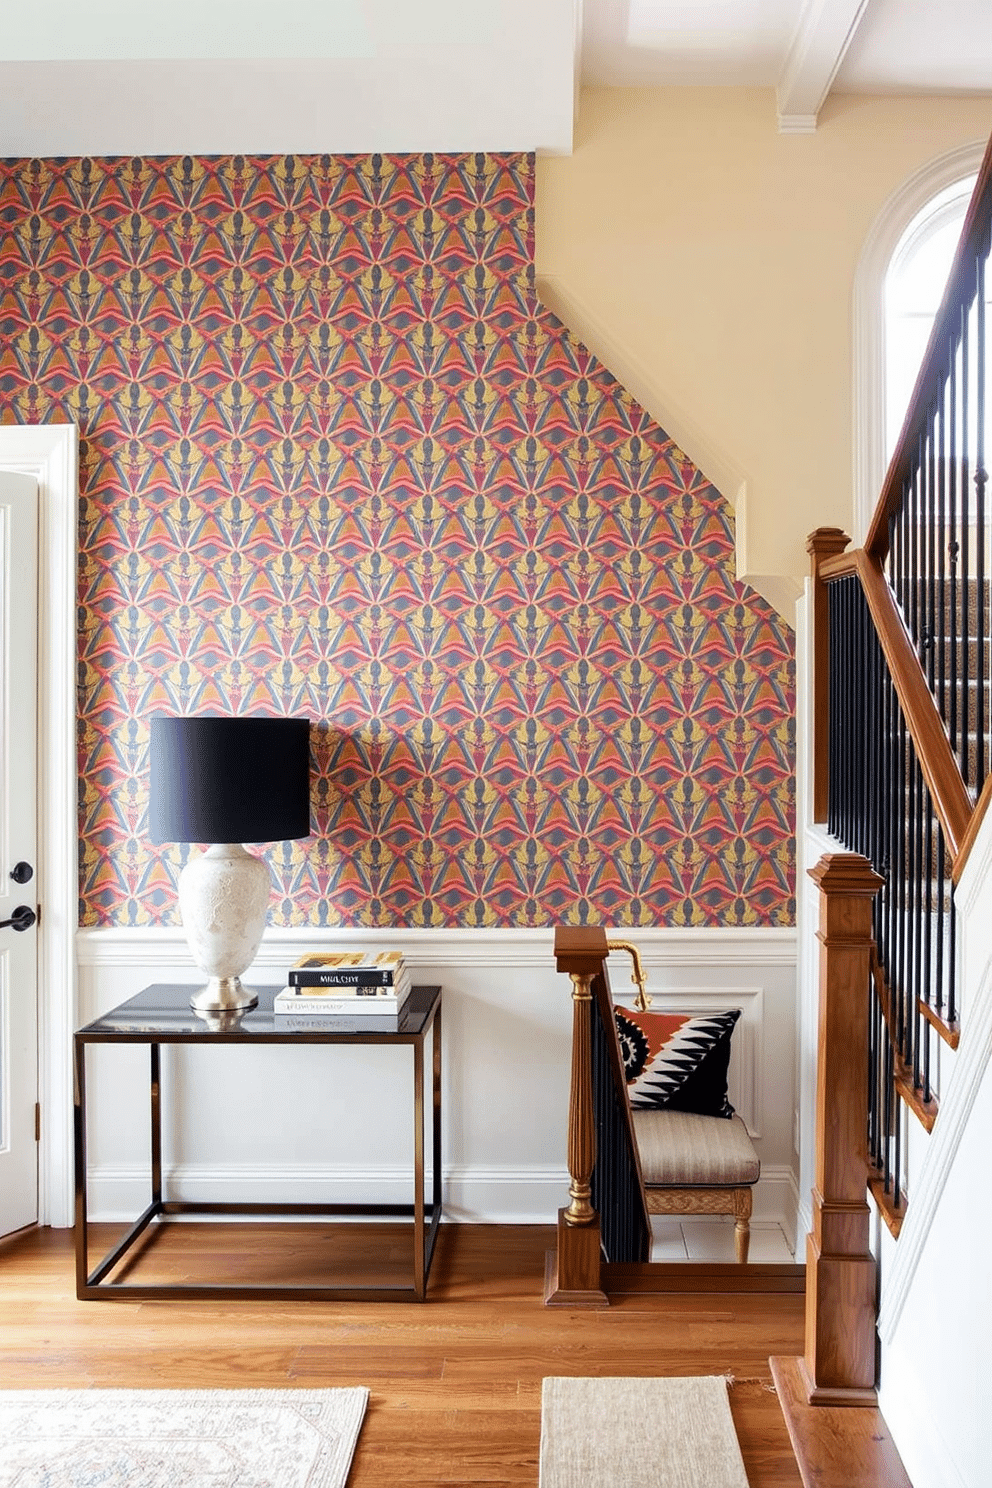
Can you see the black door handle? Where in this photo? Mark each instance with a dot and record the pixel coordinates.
(22, 918)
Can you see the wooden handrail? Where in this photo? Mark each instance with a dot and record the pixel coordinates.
(950, 797)
(973, 828)
(957, 293)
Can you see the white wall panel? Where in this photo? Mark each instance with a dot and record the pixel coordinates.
(335, 1124)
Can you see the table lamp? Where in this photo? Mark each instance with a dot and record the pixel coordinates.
(227, 781)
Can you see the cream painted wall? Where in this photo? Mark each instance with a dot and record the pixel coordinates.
(709, 262)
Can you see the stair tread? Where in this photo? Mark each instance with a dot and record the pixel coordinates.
(836, 1446)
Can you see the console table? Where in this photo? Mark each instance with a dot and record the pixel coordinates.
(161, 1014)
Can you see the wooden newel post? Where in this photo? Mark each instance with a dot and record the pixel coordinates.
(839, 1365)
(572, 1271)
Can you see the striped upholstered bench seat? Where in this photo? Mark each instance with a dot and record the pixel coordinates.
(698, 1165)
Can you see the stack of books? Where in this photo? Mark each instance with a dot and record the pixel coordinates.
(349, 984)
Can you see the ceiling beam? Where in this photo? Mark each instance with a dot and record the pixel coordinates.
(825, 31)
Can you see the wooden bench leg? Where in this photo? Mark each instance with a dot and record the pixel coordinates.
(742, 1228)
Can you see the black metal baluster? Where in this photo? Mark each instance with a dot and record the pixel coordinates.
(848, 712)
(942, 552)
(846, 689)
(892, 819)
(915, 564)
(910, 975)
(964, 582)
(897, 1156)
(888, 1093)
(981, 477)
(940, 969)
(952, 952)
(907, 496)
(928, 942)
(873, 1038)
(858, 701)
(930, 638)
(952, 548)
(837, 696)
(898, 977)
(919, 872)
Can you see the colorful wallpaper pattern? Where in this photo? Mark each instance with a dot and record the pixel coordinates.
(338, 462)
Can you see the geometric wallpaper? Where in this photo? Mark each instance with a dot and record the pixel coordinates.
(337, 462)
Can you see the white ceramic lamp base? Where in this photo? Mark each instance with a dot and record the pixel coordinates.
(224, 901)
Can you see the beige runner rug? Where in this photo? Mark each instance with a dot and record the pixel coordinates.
(178, 1438)
(639, 1433)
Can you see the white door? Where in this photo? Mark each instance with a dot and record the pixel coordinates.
(18, 833)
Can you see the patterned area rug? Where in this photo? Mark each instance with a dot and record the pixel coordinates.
(178, 1438)
(639, 1433)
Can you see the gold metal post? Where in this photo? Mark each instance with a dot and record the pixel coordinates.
(640, 981)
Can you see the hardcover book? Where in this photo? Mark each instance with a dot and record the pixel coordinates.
(328, 1004)
(304, 993)
(349, 969)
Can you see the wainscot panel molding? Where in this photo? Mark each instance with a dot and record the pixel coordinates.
(319, 1123)
(148, 945)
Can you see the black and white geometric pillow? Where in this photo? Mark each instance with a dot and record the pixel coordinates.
(675, 1061)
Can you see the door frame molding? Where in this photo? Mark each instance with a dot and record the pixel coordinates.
(50, 452)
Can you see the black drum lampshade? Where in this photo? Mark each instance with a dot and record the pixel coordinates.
(225, 782)
(229, 779)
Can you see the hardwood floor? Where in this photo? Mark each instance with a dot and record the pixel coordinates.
(455, 1382)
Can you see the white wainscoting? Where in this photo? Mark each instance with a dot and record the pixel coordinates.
(335, 1124)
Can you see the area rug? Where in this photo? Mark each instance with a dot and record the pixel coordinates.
(178, 1438)
(638, 1433)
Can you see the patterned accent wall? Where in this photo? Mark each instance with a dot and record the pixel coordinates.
(338, 462)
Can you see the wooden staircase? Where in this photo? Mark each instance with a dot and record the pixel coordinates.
(902, 776)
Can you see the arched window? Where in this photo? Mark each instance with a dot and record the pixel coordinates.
(914, 286)
(914, 223)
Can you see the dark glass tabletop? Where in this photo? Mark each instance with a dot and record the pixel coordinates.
(162, 1011)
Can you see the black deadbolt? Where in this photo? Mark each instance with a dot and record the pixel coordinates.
(22, 873)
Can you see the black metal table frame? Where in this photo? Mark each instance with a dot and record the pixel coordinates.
(426, 1217)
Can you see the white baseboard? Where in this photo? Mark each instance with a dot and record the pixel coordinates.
(804, 1223)
(471, 1195)
(910, 1418)
(480, 1196)
(776, 1200)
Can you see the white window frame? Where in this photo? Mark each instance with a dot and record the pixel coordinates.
(870, 462)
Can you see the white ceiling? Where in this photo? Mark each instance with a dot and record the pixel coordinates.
(336, 76)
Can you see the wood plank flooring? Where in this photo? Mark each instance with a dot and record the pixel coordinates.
(455, 1382)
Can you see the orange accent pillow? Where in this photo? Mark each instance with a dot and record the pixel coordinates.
(675, 1061)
